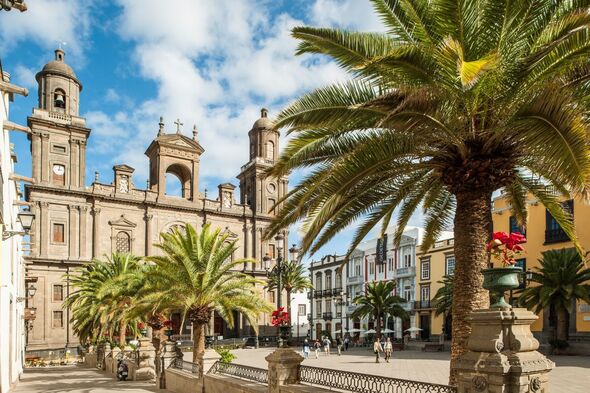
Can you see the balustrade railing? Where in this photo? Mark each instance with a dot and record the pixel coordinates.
(365, 383)
(240, 371)
(183, 365)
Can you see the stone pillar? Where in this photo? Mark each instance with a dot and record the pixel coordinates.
(148, 234)
(146, 370)
(36, 152)
(95, 230)
(82, 161)
(83, 232)
(283, 368)
(167, 357)
(45, 167)
(502, 355)
(44, 238)
(73, 240)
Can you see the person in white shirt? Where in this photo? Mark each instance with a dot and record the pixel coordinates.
(388, 349)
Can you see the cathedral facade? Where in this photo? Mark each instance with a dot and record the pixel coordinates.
(76, 222)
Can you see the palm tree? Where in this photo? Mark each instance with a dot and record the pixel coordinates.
(293, 280)
(455, 101)
(198, 275)
(443, 299)
(378, 302)
(561, 280)
(104, 296)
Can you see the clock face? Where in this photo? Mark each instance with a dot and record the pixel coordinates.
(59, 170)
(271, 188)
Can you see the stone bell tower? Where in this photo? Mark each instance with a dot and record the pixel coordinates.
(257, 190)
(58, 134)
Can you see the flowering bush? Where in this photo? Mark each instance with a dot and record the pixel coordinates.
(505, 247)
(280, 317)
(141, 326)
(168, 324)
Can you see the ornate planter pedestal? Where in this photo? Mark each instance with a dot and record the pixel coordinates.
(503, 356)
(500, 280)
(283, 368)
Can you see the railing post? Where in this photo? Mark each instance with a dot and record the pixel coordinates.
(502, 354)
(283, 368)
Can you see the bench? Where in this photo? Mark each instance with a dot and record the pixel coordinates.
(434, 347)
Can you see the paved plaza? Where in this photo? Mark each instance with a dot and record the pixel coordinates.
(77, 379)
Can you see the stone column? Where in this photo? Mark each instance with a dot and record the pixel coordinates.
(74, 163)
(95, 231)
(83, 232)
(82, 161)
(502, 355)
(44, 238)
(283, 368)
(146, 369)
(148, 233)
(45, 167)
(73, 225)
(36, 151)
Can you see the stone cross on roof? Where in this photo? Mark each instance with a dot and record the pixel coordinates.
(178, 124)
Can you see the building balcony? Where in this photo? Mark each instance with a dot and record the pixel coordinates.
(422, 304)
(350, 309)
(327, 316)
(318, 293)
(405, 271)
(338, 314)
(354, 280)
(555, 236)
(407, 305)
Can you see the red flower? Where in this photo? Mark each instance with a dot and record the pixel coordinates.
(506, 247)
(167, 323)
(141, 326)
(502, 236)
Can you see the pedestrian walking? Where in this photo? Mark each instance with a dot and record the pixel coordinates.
(346, 342)
(377, 348)
(339, 345)
(388, 348)
(327, 344)
(317, 346)
(306, 349)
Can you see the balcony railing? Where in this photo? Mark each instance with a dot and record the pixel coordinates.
(422, 304)
(180, 364)
(248, 373)
(355, 280)
(555, 236)
(318, 293)
(327, 316)
(405, 271)
(407, 305)
(338, 314)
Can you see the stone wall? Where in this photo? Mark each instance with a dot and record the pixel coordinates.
(90, 360)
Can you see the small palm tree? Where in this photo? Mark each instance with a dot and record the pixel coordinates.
(197, 275)
(104, 296)
(378, 302)
(293, 280)
(561, 280)
(443, 299)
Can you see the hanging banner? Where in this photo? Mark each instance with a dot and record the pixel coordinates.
(381, 251)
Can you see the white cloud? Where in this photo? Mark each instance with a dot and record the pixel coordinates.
(25, 77)
(349, 14)
(48, 23)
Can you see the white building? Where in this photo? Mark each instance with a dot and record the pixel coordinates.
(299, 313)
(12, 269)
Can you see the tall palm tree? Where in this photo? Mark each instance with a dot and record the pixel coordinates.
(293, 280)
(197, 275)
(378, 302)
(561, 280)
(104, 296)
(454, 101)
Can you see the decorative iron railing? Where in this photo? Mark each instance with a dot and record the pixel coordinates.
(365, 383)
(240, 371)
(183, 365)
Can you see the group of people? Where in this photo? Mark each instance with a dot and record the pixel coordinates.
(384, 346)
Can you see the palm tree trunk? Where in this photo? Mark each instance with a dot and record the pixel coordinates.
(289, 304)
(472, 224)
(562, 316)
(122, 331)
(378, 327)
(198, 345)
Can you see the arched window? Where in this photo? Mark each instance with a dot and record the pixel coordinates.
(59, 99)
(270, 150)
(123, 242)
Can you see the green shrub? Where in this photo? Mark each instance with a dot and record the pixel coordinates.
(226, 355)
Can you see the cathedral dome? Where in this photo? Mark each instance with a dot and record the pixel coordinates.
(58, 67)
(264, 121)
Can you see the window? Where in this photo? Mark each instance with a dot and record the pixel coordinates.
(371, 267)
(425, 292)
(328, 281)
(407, 260)
(123, 242)
(271, 205)
(514, 227)
(391, 264)
(450, 265)
(381, 267)
(425, 270)
(553, 231)
(338, 280)
(318, 282)
(58, 149)
(270, 150)
(357, 268)
(318, 308)
(271, 251)
(58, 233)
(58, 319)
(58, 293)
(301, 311)
(328, 305)
(271, 296)
(408, 294)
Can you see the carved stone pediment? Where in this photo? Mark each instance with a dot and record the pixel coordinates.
(122, 222)
(229, 233)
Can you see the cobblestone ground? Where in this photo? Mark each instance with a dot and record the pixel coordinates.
(77, 379)
(571, 375)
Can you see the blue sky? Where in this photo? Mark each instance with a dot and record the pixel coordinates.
(209, 63)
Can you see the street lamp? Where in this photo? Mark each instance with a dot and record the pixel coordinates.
(30, 292)
(294, 251)
(279, 239)
(26, 221)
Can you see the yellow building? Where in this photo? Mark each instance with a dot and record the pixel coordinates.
(542, 233)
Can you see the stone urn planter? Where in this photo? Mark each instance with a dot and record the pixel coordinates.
(284, 336)
(499, 280)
